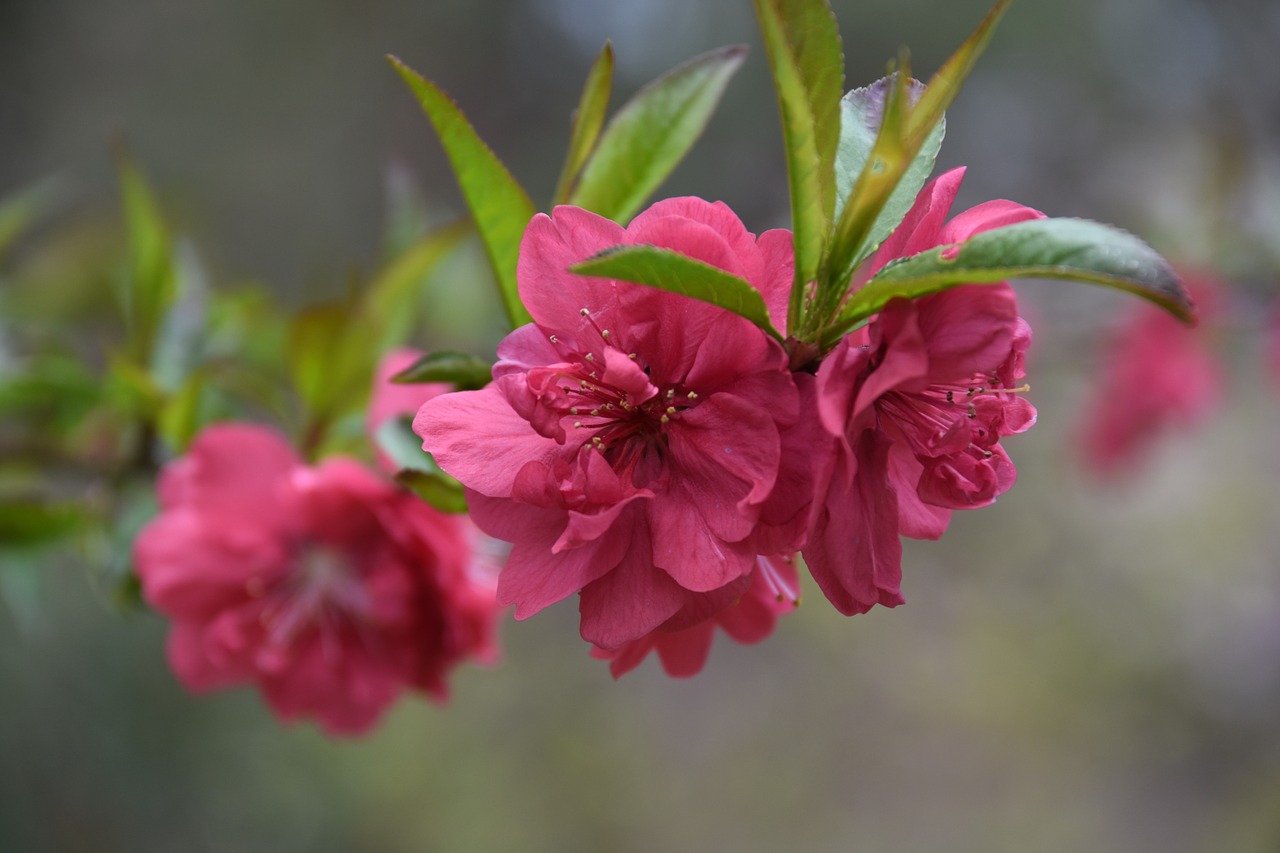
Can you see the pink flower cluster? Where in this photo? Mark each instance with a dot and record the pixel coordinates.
(328, 587)
(655, 455)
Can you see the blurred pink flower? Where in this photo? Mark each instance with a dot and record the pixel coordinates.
(327, 588)
(630, 445)
(683, 642)
(1157, 374)
(917, 403)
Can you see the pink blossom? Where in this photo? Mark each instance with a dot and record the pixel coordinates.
(631, 443)
(917, 403)
(683, 642)
(327, 588)
(1157, 374)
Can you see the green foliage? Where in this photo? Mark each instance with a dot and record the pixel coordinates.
(30, 521)
(151, 283)
(652, 132)
(803, 45)
(588, 119)
(672, 271)
(861, 112)
(464, 372)
(1043, 248)
(498, 204)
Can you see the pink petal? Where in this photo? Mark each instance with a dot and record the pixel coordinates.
(854, 553)
(629, 601)
(479, 439)
(235, 469)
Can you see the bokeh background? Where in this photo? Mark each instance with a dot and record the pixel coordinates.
(1087, 665)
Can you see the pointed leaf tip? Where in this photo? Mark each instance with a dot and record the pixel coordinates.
(1076, 249)
(500, 206)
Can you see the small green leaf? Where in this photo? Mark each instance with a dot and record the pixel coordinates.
(498, 203)
(803, 46)
(888, 160)
(588, 119)
(152, 279)
(652, 132)
(1040, 248)
(179, 416)
(861, 111)
(677, 273)
(331, 362)
(28, 522)
(465, 372)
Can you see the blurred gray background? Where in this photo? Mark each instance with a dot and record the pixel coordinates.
(1085, 666)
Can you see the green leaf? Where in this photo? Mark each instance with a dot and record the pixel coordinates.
(465, 372)
(28, 522)
(498, 203)
(19, 210)
(179, 416)
(803, 45)
(439, 490)
(1040, 248)
(652, 132)
(152, 279)
(588, 119)
(331, 364)
(903, 135)
(861, 112)
(677, 273)
(390, 296)
(419, 471)
(884, 167)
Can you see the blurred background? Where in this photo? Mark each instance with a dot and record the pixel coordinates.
(1091, 664)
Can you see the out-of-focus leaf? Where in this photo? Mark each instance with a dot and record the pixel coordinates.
(152, 282)
(439, 490)
(465, 372)
(132, 390)
(1041, 248)
(55, 391)
(419, 471)
(652, 132)
(329, 360)
(672, 271)
(389, 298)
(179, 417)
(19, 211)
(588, 119)
(27, 522)
(500, 206)
(861, 112)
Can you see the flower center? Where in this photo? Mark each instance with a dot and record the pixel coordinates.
(322, 589)
(612, 395)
